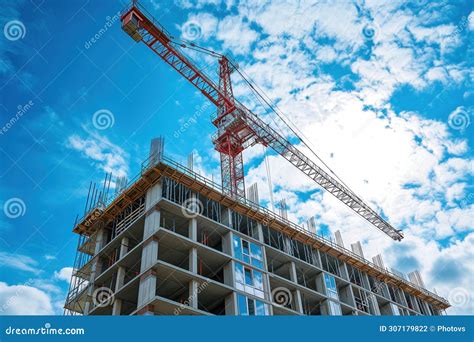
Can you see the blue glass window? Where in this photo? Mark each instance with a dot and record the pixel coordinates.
(334, 308)
(248, 252)
(248, 276)
(239, 276)
(248, 306)
(256, 255)
(261, 308)
(251, 305)
(242, 300)
(249, 280)
(331, 286)
(237, 247)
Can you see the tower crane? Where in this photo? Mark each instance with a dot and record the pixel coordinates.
(237, 126)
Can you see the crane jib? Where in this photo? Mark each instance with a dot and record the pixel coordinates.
(239, 128)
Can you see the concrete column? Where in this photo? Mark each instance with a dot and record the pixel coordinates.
(147, 288)
(124, 247)
(152, 222)
(293, 274)
(231, 305)
(193, 260)
(192, 229)
(120, 278)
(260, 232)
(373, 304)
(149, 254)
(193, 294)
(320, 287)
(153, 196)
(229, 274)
(297, 301)
(264, 256)
(117, 307)
(227, 244)
(99, 241)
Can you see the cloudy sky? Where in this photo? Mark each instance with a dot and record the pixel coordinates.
(381, 91)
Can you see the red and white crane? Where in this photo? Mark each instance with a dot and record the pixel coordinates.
(238, 127)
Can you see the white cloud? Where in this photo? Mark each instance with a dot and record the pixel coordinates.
(103, 153)
(326, 54)
(411, 167)
(64, 274)
(19, 262)
(206, 26)
(236, 35)
(24, 300)
(470, 20)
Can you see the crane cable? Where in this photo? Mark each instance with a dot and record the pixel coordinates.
(261, 94)
(267, 101)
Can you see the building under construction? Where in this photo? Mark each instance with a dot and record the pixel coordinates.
(172, 242)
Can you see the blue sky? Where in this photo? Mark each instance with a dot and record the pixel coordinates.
(383, 93)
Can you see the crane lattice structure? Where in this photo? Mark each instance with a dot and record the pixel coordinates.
(237, 126)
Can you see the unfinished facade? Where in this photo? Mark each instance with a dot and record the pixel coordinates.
(173, 243)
